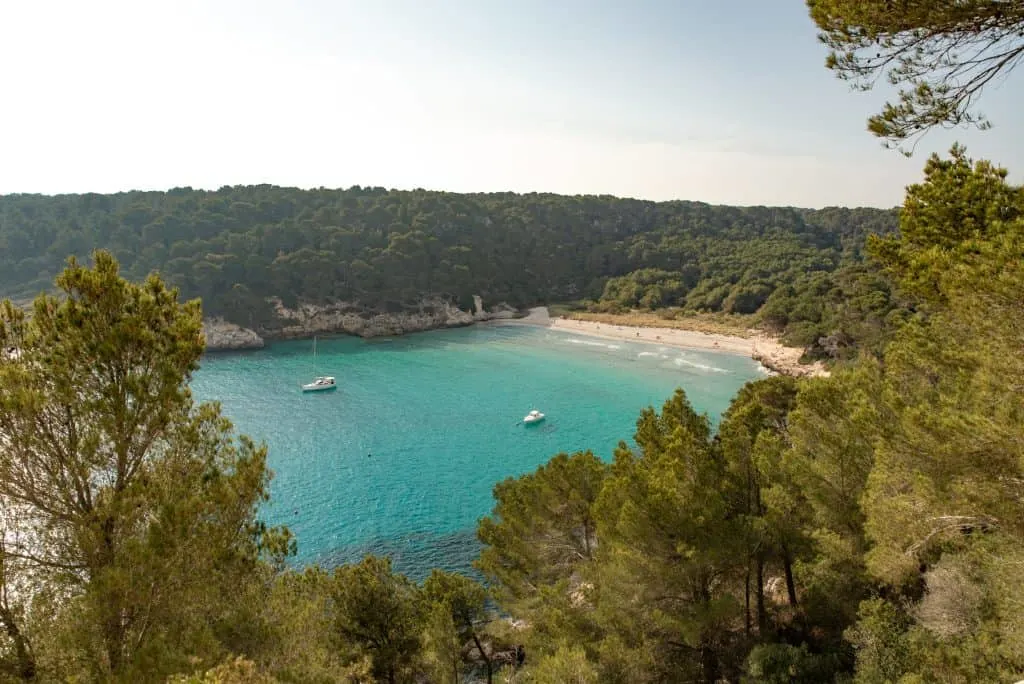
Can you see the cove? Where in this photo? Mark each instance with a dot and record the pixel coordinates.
(402, 457)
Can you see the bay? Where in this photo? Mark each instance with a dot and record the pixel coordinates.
(402, 458)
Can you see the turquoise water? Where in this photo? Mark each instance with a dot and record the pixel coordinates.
(402, 457)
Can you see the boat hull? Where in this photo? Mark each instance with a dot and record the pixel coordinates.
(321, 388)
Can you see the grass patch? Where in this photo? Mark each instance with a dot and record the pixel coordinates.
(563, 309)
(739, 325)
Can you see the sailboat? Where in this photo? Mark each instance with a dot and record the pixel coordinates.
(321, 383)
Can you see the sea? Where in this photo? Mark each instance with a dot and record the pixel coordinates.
(402, 458)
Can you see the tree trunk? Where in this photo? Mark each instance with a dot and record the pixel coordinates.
(708, 664)
(25, 667)
(112, 637)
(746, 601)
(787, 564)
(112, 625)
(762, 618)
(483, 654)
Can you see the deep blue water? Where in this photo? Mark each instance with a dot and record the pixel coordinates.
(402, 457)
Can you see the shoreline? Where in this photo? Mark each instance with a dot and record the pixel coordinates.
(763, 348)
(767, 350)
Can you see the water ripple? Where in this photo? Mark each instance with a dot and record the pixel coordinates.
(401, 459)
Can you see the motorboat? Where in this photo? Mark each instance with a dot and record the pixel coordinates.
(533, 416)
(320, 384)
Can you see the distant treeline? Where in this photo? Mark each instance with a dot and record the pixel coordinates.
(385, 249)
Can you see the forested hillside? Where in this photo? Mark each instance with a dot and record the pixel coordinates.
(863, 527)
(382, 249)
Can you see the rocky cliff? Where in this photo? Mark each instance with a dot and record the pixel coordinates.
(223, 336)
(306, 320)
(344, 317)
(788, 363)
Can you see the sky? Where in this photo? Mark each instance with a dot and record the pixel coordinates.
(727, 103)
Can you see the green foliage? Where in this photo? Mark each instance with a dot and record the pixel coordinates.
(442, 646)
(786, 664)
(235, 671)
(649, 288)
(831, 451)
(941, 502)
(457, 615)
(462, 597)
(801, 271)
(131, 511)
(385, 250)
(940, 53)
(667, 543)
(543, 525)
(958, 204)
(287, 626)
(837, 315)
(880, 637)
(866, 526)
(567, 665)
(762, 496)
(378, 613)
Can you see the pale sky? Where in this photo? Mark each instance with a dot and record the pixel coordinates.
(673, 99)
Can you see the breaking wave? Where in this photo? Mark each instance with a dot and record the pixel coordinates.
(591, 343)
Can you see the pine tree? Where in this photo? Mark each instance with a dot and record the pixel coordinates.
(134, 509)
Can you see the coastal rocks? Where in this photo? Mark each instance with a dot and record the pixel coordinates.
(789, 365)
(431, 313)
(500, 312)
(223, 336)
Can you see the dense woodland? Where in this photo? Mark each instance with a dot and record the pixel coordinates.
(864, 527)
(384, 250)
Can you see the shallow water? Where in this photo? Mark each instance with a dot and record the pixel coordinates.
(402, 457)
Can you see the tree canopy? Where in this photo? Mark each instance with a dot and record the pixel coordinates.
(863, 527)
(381, 250)
(127, 510)
(941, 54)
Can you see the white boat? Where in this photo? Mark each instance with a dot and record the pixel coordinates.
(324, 382)
(320, 384)
(533, 416)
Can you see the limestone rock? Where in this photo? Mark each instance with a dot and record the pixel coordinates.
(352, 318)
(789, 366)
(223, 336)
(345, 317)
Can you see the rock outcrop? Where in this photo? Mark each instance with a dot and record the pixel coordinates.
(500, 312)
(223, 336)
(789, 364)
(305, 320)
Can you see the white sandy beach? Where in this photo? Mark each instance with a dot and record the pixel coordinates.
(764, 348)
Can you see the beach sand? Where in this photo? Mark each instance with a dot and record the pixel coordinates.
(764, 348)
